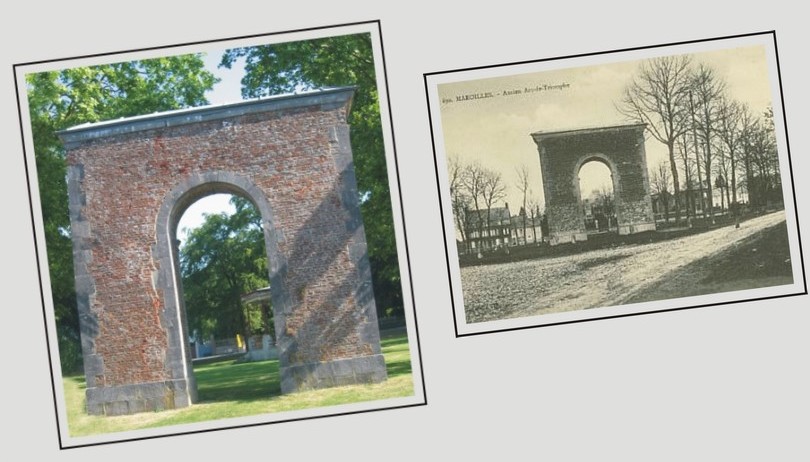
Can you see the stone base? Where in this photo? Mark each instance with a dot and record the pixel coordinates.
(365, 369)
(140, 397)
(262, 354)
(568, 237)
(636, 228)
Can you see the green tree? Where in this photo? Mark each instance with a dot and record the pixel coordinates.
(330, 62)
(61, 99)
(220, 261)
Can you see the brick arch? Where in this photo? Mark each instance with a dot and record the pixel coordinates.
(169, 280)
(563, 153)
(129, 181)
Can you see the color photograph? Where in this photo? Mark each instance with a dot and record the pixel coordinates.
(221, 234)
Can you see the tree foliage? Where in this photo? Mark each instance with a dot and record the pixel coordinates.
(330, 62)
(221, 260)
(61, 99)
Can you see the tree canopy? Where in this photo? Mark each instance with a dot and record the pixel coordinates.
(330, 62)
(220, 261)
(61, 99)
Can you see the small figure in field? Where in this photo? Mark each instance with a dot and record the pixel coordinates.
(735, 212)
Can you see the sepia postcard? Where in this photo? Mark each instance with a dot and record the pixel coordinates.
(615, 183)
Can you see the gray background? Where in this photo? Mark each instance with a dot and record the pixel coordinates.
(721, 383)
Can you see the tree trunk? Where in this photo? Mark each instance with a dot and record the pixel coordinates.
(709, 192)
(733, 178)
(690, 202)
(675, 183)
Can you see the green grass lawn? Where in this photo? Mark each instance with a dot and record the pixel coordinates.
(229, 389)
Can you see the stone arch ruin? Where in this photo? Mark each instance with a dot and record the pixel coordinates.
(621, 149)
(130, 180)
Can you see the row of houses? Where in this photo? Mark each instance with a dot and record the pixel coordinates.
(496, 228)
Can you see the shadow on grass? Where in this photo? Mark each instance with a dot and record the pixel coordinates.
(229, 380)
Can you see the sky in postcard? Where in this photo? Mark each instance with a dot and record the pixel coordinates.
(495, 131)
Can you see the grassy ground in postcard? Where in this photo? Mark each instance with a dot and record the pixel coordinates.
(230, 389)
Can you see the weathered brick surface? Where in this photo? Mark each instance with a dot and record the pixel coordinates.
(562, 154)
(130, 183)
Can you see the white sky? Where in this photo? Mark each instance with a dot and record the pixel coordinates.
(228, 90)
(496, 131)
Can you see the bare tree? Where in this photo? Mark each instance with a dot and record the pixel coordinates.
(659, 97)
(698, 148)
(707, 89)
(762, 162)
(523, 187)
(472, 181)
(748, 124)
(493, 190)
(459, 199)
(660, 180)
(683, 146)
(535, 214)
(729, 133)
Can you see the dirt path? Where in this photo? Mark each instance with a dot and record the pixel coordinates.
(597, 278)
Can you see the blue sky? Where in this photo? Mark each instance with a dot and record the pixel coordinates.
(228, 90)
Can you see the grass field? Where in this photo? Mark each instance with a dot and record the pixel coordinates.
(229, 389)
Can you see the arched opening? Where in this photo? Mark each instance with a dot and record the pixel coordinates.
(216, 319)
(225, 289)
(597, 197)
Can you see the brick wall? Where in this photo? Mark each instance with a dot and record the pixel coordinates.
(292, 159)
